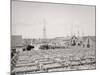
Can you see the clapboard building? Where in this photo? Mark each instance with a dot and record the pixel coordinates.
(89, 41)
(16, 42)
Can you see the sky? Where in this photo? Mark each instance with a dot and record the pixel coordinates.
(60, 20)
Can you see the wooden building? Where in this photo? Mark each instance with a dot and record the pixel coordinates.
(89, 42)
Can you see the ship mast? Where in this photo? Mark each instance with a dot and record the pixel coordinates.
(44, 29)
